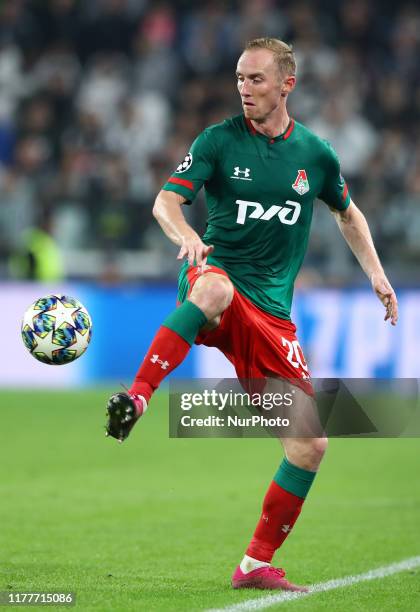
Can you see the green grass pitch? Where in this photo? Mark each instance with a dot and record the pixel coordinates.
(159, 524)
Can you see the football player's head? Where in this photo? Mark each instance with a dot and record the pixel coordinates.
(266, 73)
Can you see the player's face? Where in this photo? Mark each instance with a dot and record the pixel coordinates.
(260, 84)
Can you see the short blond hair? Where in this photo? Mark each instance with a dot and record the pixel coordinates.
(283, 53)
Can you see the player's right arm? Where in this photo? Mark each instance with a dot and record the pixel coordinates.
(167, 211)
(181, 188)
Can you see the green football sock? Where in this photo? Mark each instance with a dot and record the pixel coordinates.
(186, 321)
(294, 479)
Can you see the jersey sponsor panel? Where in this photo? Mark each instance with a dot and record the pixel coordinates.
(288, 214)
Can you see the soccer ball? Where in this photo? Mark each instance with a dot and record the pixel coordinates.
(56, 329)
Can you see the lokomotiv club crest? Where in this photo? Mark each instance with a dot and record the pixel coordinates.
(301, 184)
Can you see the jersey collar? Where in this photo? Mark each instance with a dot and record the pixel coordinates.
(284, 136)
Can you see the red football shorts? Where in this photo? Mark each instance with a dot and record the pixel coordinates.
(257, 343)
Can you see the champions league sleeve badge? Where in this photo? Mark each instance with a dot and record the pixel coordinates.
(184, 165)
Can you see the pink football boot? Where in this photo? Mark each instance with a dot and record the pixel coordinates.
(267, 577)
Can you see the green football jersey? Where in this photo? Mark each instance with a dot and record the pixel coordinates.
(260, 193)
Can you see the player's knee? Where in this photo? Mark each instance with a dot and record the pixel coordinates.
(319, 447)
(212, 294)
(315, 450)
(308, 453)
(221, 291)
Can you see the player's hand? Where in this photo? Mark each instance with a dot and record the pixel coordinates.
(384, 291)
(195, 250)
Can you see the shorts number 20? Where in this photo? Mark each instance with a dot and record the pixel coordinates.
(295, 355)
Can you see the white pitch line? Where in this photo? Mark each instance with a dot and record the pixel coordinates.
(271, 600)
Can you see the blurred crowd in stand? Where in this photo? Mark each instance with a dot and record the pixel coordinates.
(101, 99)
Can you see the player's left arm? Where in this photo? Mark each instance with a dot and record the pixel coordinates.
(354, 227)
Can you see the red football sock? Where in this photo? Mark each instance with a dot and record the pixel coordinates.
(280, 512)
(166, 352)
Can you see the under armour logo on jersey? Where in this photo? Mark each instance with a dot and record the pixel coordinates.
(163, 364)
(286, 528)
(244, 175)
(301, 184)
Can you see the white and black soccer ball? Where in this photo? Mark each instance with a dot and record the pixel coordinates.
(56, 329)
(184, 165)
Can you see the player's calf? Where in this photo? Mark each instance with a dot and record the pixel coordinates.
(307, 453)
(169, 348)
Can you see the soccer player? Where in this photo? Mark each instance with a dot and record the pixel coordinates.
(261, 172)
